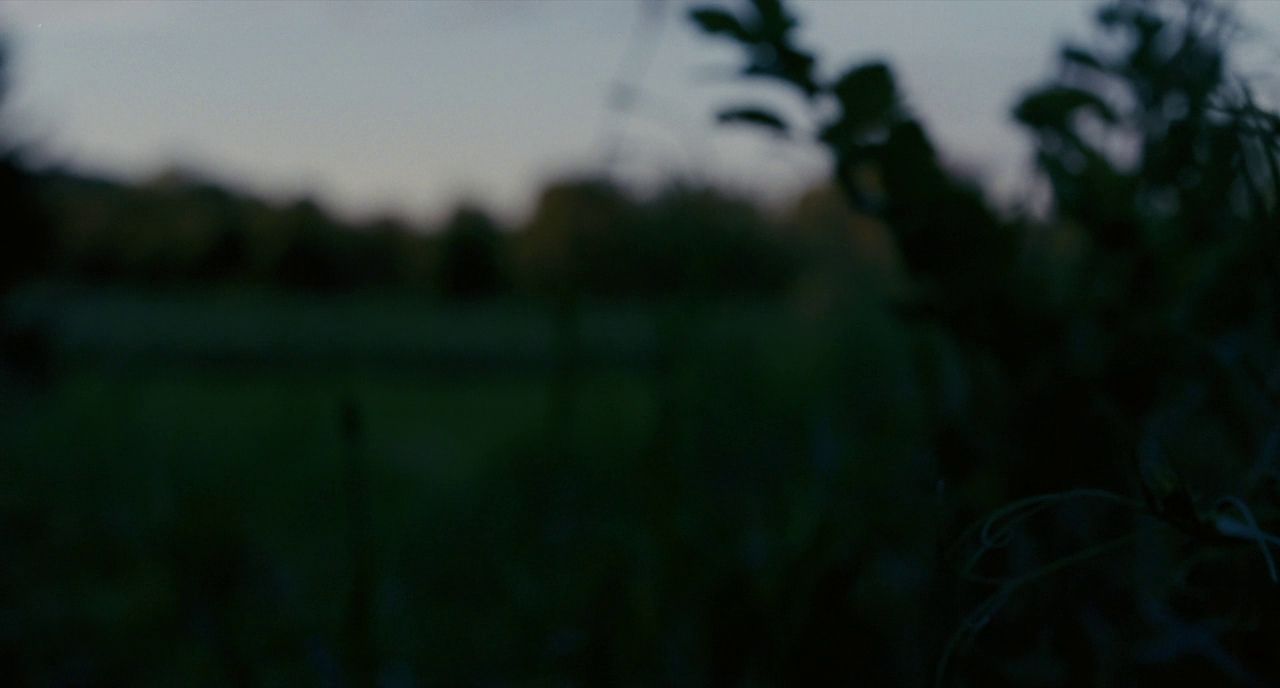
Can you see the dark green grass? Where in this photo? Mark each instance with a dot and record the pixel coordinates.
(158, 494)
(121, 492)
(181, 485)
(130, 328)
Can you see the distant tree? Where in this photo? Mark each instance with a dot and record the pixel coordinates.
(591, 237)
(472, 260)
(576, 228)
(701, 241)
(26, 244)
(402, 255)
(27, 241)
(25, 238)
(310, 259)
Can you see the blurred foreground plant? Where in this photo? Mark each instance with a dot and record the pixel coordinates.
(1143, 360)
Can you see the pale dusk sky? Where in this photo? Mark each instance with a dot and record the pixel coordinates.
(405, 107)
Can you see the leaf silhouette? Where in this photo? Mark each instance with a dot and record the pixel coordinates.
(774, 20)
(713, 20)
(1079, 56)
(755, 116)
(866, 93)
(1052, 107)
(783, 62)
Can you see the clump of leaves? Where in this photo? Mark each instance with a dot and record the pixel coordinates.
(765, 30)
(866, 99)
(1155, 374)
(883, 158)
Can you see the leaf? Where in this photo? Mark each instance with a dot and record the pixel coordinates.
(1083, 58)
(713, 20)
(774, 21)
(753, 115)
(867, 94)
(785, 63)
(1053, 107)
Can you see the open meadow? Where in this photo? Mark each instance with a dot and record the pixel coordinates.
(380, 470)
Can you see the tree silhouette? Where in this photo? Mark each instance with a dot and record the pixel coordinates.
(25, 234)
(26, 245)
(471, 262)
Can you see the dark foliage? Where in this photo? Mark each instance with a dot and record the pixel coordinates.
(890, 437)
(472, 263)
(593, 239)
(1140, 369)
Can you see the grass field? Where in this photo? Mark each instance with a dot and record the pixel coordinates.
(184, 481)
(192, 480)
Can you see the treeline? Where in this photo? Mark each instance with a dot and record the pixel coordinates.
(179, 230)
(588, 236)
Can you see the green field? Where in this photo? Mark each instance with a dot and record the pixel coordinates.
(183, 483)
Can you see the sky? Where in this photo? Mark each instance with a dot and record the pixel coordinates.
(407, 108)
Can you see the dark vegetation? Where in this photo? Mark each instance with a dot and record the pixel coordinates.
(889, 436)
(177, 230)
